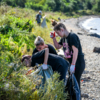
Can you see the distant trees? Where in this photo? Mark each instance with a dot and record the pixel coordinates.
(96, 7)
(20, 3)
(57, 5)
(51, 4)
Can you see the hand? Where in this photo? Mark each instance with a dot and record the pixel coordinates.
(44, 66)
(52, 35)
(72, 69)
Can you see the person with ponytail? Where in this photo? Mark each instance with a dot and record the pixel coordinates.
(72, 49)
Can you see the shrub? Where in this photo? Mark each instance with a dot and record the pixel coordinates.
(27, 26)
(5, 29)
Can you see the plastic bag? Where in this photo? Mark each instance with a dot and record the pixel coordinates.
(73, 88)
(43, 24)
(40, 72)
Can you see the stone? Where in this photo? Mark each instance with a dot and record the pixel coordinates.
(94, 35)
(93, 29)
(84, 95)
(80, 33)
(96, 49)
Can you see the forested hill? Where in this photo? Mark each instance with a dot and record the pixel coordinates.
(57, 5)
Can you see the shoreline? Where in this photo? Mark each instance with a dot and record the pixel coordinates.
(90, 80)
(79, 23)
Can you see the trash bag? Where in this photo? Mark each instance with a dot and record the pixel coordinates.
(43, 24)
(46, 74)
(72, 88)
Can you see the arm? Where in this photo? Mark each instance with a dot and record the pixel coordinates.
(46, 55)
(75, 54)
(58, 46)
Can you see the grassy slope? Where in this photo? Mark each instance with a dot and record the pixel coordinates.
(15, 43)
(22, 15)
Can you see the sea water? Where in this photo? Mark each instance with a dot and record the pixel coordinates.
(92, 25)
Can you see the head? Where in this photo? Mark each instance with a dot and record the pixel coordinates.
(26, 60)
(54, 23)
(60, 29)
(39, 43)
(40, 12)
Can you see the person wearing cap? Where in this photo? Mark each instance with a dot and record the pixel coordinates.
(38, 17)
(45, 58)
(40, 45)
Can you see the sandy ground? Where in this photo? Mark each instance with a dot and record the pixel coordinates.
(90, 80)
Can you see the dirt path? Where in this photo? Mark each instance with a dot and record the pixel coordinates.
(90, 81)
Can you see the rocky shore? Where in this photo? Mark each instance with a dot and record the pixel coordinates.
(90, 80)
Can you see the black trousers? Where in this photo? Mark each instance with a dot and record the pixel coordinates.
(62, 70)
(79, 68)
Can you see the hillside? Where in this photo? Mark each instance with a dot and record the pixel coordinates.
(18, 30)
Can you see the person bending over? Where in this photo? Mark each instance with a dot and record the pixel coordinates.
(44, 57)
(40, 45)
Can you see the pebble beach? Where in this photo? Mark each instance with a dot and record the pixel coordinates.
(90, 80)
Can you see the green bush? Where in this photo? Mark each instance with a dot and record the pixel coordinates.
(5, 29)
(27, 26)
(53, 90)
(14, 84)
(51, 4)
(20, 3)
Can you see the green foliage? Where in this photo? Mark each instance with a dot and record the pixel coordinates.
(5, 29)
(37, 6)
(20, 3)
(27, 26)
(53, 90)
(51, 5)
(73, 5)
(16, 39)
(42, 2)
(14, 84)
(96, 7)
(57, 5)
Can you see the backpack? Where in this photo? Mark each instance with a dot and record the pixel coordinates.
(37, 16)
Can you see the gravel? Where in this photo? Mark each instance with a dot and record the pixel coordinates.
(90, 80)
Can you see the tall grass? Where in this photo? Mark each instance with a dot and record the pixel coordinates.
(18, 30)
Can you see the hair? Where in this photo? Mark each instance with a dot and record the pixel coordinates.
(39, 41)
(54, 23)
(59, 26)
(25, 57)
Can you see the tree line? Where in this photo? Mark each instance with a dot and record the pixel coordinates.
(56, 5)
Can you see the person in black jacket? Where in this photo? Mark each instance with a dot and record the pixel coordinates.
(40, 45)
(45, 58)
